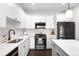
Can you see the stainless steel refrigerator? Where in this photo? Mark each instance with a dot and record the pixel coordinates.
(65, 30)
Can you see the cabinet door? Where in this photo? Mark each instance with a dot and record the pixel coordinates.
(60, 52)
(53, 50)
(56, 51)
(52, 24)
(32, 43)
(31, 23)
(27, 46)
(48, 24)
(49, 42)
(21, 50)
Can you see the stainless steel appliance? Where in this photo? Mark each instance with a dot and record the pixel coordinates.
(40, 41)
(65, 30)
(40, 25)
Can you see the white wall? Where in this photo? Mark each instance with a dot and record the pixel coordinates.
(12, 11)
(17, 12)
(2, 14)
(76, 19)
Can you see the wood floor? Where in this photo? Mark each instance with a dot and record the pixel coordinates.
(40, 52)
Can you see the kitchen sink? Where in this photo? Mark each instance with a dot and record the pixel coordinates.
(15, 41)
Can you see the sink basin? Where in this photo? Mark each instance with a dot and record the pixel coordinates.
(15, 41)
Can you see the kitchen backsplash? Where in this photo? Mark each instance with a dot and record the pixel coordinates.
(4, 31)
(21, 32)
(32, 32)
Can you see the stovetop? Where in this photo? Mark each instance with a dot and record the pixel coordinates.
(40, 35)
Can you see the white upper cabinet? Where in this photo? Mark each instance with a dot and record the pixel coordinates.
(36, 18)
(29, 22)
(32, 23)
(61, 17)
(43, 19)
(50, 22)
(32, 19)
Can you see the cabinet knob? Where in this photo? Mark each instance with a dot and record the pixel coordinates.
(54, 45)
(58, 54)
(23, 46)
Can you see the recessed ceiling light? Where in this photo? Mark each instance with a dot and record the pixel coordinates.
(33, 3)
(11, 4)
(63, 4)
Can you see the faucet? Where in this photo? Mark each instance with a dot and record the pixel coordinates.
(9, 33)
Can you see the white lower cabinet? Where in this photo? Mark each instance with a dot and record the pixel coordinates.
(27, 45)
(32, 42)
(53, 50)
(23, 48)
(49, 43)
(56, 51)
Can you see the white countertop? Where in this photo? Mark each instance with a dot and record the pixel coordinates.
(71, 47)
(6, 48)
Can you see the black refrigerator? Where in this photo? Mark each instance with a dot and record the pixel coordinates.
(65, 30)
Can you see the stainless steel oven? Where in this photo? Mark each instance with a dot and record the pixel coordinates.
(40, 41)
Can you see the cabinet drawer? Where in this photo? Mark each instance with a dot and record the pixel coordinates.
(57, 51)
(60, 52)
(54, 45)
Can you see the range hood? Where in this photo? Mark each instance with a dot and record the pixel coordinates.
(40, 25)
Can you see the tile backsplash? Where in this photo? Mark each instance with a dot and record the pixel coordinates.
(21, 32)
(32, 32)
(4, 31)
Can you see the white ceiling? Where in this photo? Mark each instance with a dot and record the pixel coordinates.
(46, 7)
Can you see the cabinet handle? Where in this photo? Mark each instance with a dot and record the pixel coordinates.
(24, 46)
(58, 54)
(54, 45)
